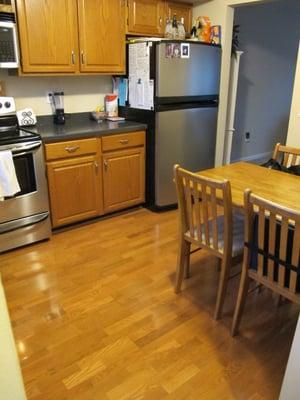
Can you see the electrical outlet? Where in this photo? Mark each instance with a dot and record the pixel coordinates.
(247, 137)
(49, 97)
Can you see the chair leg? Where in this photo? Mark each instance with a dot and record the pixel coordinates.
(183, 253)
(218, 264)
(241, 300)
(187, 261)
(278, 300)
(225, 266)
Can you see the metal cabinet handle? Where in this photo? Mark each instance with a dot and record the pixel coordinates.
(160, 21)
(82, 58)
(124, 141)
(72, 149)
(96, 167)
(73, 57)
(105, 163)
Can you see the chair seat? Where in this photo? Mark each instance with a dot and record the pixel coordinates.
(237, 233)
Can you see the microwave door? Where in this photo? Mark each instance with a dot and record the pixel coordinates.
(9, 53)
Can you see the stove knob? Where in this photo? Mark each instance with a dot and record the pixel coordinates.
(1, 105)
(7, 104)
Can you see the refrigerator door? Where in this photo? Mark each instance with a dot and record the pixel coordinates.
(186, 137)
(198, 75)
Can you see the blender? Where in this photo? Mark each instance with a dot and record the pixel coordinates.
(58, 104)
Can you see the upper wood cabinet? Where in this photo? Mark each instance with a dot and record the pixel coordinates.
(48, 35)
(102, 35)
(149, 17)
(146, 17)
(54, 40)
(181, 10)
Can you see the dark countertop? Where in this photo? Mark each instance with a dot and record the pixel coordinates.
(79, 126)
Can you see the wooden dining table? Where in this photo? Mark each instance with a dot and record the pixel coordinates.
(279, 187)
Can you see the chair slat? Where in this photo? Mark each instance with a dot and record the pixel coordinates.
(214, 216)
(261, 239)
(188, 196)
(286, 159)
(282, 250)
(295, 258)
(272, 233)
(205, 214)
(294, 159)
(197, 210)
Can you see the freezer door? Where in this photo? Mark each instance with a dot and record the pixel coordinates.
(198, 75)
(185, 137)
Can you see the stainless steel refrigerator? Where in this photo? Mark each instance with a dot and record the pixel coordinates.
(174, 89)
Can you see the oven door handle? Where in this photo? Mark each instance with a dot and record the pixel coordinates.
(18, 151)
(23, 222)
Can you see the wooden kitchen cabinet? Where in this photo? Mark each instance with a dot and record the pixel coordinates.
(74, 180)
(95, 176)
(181, 10)
(146, 17)
(102, 35)
(123, 171)
(48, 35)
(54, 40)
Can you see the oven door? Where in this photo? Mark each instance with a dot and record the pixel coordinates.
(30, 170)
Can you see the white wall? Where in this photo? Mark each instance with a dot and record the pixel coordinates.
(82, 93)
(266, 75)
(291, 384)
(293, 137)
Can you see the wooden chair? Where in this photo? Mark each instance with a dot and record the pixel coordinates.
(271, 252)
(286, 156)
(206, 220)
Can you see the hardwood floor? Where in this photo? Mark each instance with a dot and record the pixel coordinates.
(95, 316)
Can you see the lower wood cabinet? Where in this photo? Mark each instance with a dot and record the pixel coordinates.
(85, 181)
(75, 189)
(123, 179)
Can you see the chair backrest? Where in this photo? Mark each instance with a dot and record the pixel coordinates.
(286, 155)
(272, 232)
(202, 202)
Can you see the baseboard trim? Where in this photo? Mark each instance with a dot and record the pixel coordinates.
(256, 158)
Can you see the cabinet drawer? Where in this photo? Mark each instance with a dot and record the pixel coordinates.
(72, 148)
(123, 141)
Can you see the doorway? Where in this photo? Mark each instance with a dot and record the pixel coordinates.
(269, 36)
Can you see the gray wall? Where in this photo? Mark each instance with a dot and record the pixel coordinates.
(269, 36)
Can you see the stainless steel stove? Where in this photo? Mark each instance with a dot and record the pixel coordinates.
(25, 217)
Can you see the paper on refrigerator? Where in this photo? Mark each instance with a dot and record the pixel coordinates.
(140, 86)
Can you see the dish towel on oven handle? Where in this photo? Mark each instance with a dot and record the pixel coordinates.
(9, 184)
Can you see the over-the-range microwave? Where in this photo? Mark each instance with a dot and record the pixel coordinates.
(9, 49)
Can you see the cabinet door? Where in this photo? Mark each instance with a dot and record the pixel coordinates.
(48, 35)
(146, 17)
(181, 11)
(123, 179)
(102, 35)
(75, 189)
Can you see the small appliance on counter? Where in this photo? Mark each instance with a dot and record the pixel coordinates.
(58, 104)
(26, 117)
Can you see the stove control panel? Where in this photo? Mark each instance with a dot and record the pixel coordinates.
(7, 105)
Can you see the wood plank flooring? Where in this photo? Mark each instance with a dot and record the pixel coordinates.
(95, 317)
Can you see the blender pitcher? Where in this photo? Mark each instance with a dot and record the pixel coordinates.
(58, 102)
